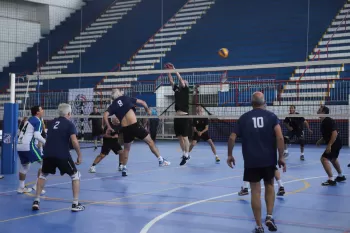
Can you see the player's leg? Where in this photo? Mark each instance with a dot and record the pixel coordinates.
(206, 137)
(183, 131)
(178, 133)
(67, 166)
(118, 150)
(289, 135)
(335, 162)
(325, 158)
(36, 156)
(24, 169)
(195, 139)
(104, 152)
(48, 167)
(281, 190)
(268, 176)
(302, 144)
(155, 151)
(252, 175)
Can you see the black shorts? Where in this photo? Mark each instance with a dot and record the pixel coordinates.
(110, 144)
(97, 132)
(299, 135)
(204, 136)
(133, 131)
(66, 166)
(181, 126)
(335, 150)
(259, 173)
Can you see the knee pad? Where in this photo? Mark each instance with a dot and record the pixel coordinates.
(43, 176)
(286, 140)
(24, 168)
(76, 176)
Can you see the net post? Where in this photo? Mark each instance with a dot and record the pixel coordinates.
(9, 135)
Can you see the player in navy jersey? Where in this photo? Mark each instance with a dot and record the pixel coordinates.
(200, 131)
(57, 155)
(261, 136)
(122, 108)
(110, 143)
(181, 125)
(330, 137)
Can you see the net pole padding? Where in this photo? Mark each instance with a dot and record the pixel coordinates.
(203, 69)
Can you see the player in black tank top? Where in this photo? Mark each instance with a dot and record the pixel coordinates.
(110, 142)
(181, 125)
(201, 131)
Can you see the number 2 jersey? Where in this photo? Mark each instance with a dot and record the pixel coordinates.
(256, 128)
(26, 139)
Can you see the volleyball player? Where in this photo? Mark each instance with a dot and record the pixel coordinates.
(110, 142)
(27, 148)
(295, 126)
(181, 125)
(96, 126)
(200, 131)
(331, 138)
(56, 155)
(261, 136)
(122, 108)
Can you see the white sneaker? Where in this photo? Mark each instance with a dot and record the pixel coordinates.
(120, 168)
(92, 170)
(42, 191)
(24, 190)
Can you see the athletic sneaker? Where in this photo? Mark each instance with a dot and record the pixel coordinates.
(77, 207)
(164, 163)
(42, 191)
(217, 159)
(95, 148)
(349, 165)
(329, 183)
(243, 192)
(92, 169)
(281, 191)
(302, 158)
(35, 205)
(24, 190)
(340, 178)
(258, 230)
(184, 160)
(124, 171)
(2, 177)
(270, 223)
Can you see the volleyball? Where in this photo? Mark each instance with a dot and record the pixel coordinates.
(223, 52)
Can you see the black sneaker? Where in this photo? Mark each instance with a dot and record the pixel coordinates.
(270, 223)
(95, 148)
(77, 207)
(281, 191)
(258, 230)
(243, 192)
(340, 178)
(349, 165)
(302, 158)
(184, 160)
(35, 205)
(329, 183)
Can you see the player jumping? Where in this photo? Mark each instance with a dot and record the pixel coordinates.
(200, 131)
(110, 142)
(181, 125)
(295, 126)
(121, 107)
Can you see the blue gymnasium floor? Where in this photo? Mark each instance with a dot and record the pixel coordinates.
(199, 197)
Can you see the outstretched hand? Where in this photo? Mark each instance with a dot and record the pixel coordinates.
(169, 66)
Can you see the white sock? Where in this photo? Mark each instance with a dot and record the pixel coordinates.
(186, 154)
(280, 184)
(245, 185)
(75, 201)
(330, 178)
(285, 151)
(160, 158)
(302, 153)
(21, 184)
(269, 215)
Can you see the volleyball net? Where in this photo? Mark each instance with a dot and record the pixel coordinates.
(224, 93)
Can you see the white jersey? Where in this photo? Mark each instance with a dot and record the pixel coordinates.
(26, 140)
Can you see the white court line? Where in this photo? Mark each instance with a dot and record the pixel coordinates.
(148, 226)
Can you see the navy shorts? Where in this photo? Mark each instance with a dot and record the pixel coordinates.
(31, 156)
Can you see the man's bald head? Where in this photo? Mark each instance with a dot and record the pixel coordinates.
(258, 100)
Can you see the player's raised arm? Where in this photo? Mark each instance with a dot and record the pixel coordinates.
(144, 104)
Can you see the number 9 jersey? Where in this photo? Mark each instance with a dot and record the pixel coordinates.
(26, 139)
